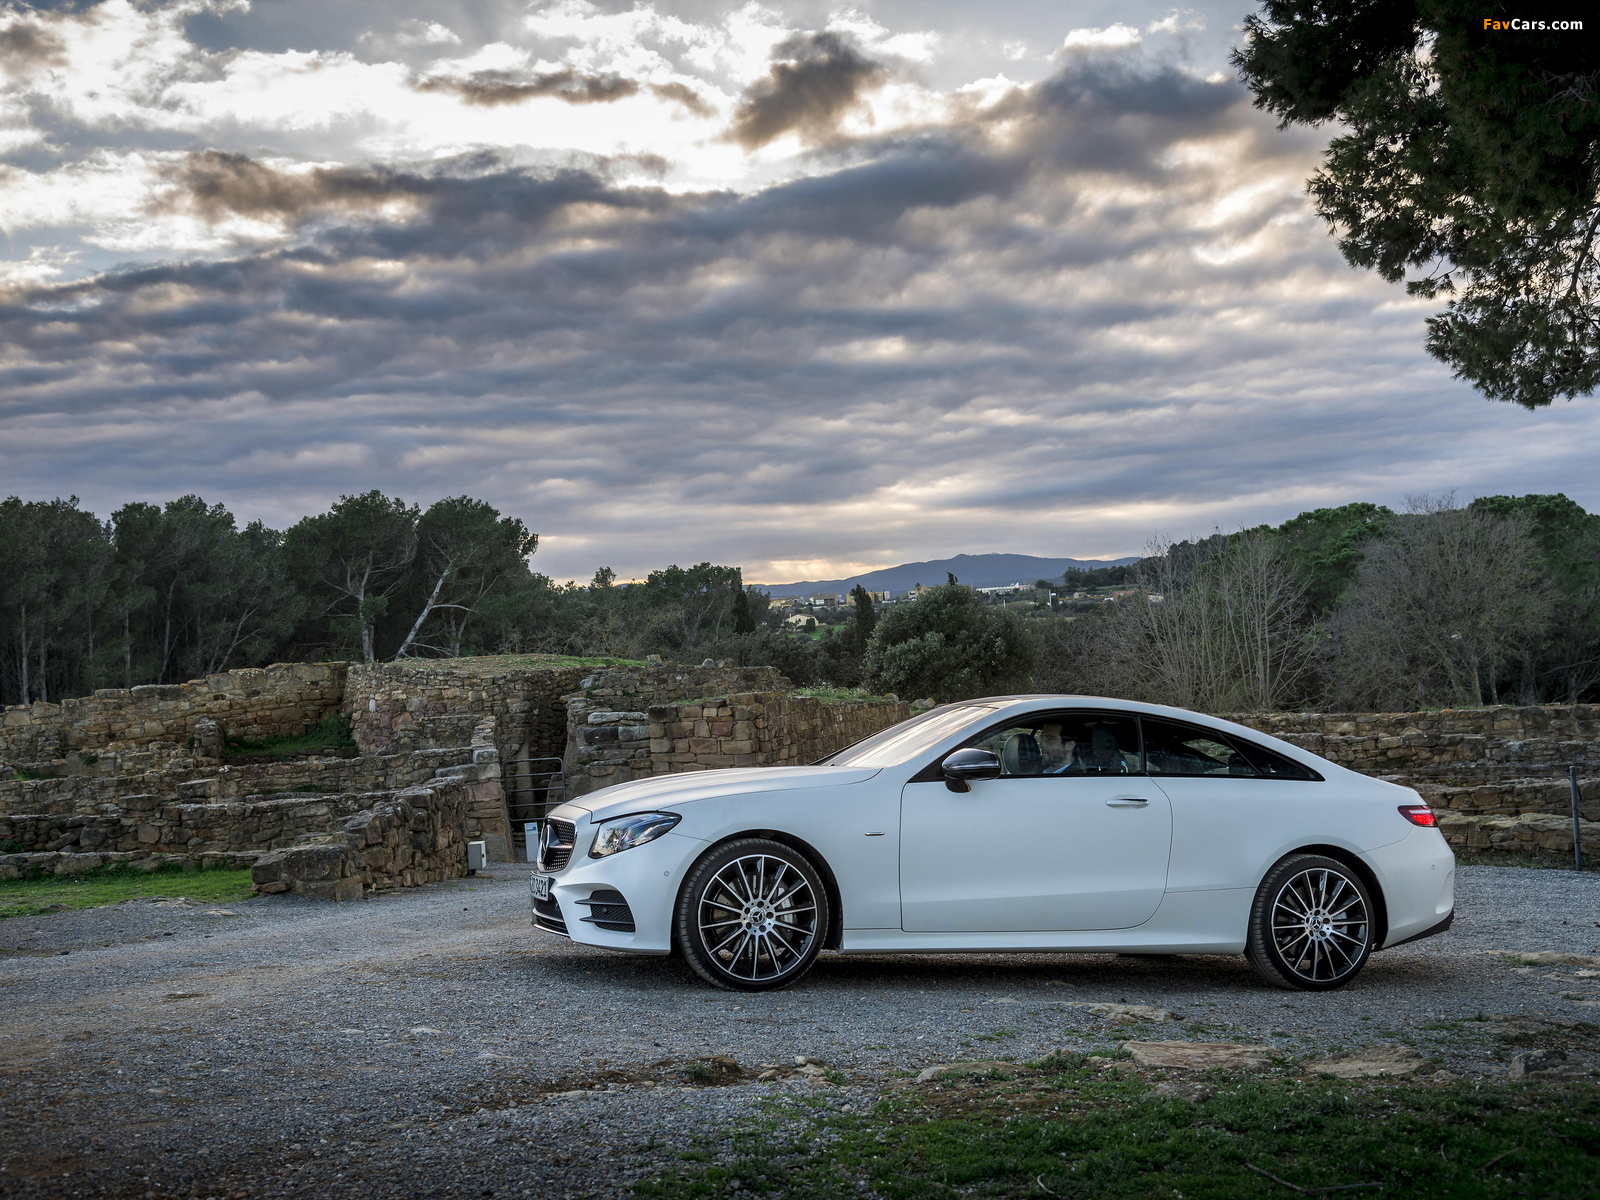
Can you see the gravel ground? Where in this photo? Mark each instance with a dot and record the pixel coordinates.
(410, 1045)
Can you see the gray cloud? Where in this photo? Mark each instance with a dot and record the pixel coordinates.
(1054, 326)
(24, 47)
(217, 184)
(815, 80)
(682, 93)
(488, 88)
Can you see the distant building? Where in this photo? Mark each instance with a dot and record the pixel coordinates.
(878, 597)
(801, 621)
(825, 599)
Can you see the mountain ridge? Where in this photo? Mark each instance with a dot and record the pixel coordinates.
(975, 570)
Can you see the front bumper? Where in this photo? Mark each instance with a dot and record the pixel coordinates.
(595, 900)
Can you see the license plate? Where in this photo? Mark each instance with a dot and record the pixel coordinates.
(540, 886)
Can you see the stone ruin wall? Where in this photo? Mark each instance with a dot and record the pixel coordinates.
(1497, 777)
(608, 746)
(188, 779)
(1458, 746)
(146, 782)
(399, 839)
(415, 705)
(216, 820)
(250, 704)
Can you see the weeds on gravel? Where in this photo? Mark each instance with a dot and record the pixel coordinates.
(112, 885)
(1507, 858)
(1249, 1138)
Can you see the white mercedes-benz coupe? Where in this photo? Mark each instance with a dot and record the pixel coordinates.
(1015, 823)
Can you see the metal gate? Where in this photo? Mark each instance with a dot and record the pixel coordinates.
(533, 787)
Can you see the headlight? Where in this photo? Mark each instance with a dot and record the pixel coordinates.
(627, 832)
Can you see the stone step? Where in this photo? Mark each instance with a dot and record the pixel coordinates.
(17, 866)
(1510, 797)
(1529, 833)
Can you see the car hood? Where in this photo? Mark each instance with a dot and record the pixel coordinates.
(673, 791)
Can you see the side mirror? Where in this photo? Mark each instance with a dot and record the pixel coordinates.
(963, 766)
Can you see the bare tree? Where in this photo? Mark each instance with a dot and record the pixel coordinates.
(1436, 610)
(1078, 656)
(1215, 625)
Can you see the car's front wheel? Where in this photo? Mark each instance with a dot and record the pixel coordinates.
(1311, 924)
(752, 915)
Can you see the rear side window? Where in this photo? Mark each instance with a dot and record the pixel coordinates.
(1274, 766)
(1173, 748)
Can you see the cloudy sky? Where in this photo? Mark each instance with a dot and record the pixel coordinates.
(803, 287)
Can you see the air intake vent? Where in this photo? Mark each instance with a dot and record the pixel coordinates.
(547, 915)
(608, 910)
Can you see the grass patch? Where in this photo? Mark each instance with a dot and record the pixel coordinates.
(330, 733)
(114, 884)
(1113, 1139)
(826, 691)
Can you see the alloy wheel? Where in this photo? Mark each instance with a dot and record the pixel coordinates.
(1320, 925)
(757, 918)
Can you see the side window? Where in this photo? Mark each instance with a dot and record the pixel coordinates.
(1069, 743)
(1274, 766)
(1174, 749)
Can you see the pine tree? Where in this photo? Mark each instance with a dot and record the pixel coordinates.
(866, 617)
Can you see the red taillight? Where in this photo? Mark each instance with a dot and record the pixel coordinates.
(1419, 814)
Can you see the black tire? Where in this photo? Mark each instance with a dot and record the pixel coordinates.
(1311, 927)
(752, 916)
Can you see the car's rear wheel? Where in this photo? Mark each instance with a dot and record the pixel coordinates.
(1311, 924)
(752, 915)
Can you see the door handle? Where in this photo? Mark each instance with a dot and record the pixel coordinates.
(1127, 802)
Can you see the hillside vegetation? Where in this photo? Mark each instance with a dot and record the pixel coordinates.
(1358, 607)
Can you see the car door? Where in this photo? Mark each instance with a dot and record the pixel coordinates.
(1071, 836)
(1233, 803)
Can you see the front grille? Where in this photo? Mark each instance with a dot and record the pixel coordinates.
(547, 915)
(608, 910)
(558, 842)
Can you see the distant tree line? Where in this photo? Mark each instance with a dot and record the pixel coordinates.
(161, 594)
(1356, 607)
(1353, 608)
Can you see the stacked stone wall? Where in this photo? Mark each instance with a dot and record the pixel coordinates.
(250, 704)
(404, 839)
(416, 705)
(388, 839)
(187, 779)
(1452, 746)
(214, 815)
(1497, 777)
(607, 746)
(1565, 722)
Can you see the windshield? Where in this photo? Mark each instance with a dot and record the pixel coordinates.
(909, 738)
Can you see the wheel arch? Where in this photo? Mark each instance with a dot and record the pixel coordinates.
(1354, 861)
(835, 934)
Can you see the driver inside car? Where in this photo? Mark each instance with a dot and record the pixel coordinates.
(1055, 750)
